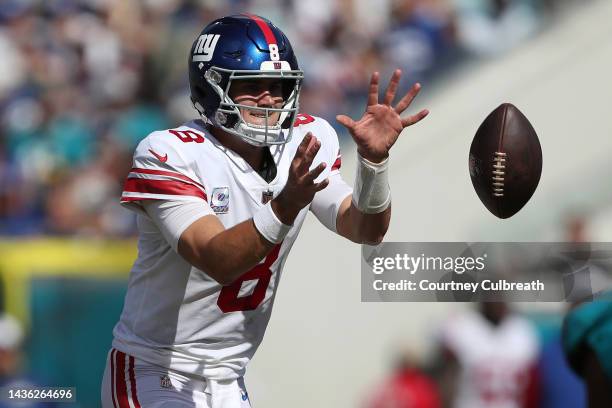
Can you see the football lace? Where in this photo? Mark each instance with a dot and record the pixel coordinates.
(499, 167)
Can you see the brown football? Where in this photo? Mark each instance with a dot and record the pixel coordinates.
(505, 161)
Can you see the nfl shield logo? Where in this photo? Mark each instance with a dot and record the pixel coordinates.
(267, 196)
(164, 382)
(220, 200)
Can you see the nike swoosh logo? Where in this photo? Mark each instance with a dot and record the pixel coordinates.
(161, 158)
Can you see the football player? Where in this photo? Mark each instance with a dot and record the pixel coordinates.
(490, 359)
(220, 202)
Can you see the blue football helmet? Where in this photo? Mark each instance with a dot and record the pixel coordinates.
(244, 47)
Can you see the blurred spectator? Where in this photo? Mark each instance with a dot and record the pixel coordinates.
(488, 27)
(560, 387)
(586, 334)
(587, 331)
(11, 340)
(11, 337)
(83, 81)
(10, 345)
(490, 359)
(421, 38)
(576, 228)
(407, 387)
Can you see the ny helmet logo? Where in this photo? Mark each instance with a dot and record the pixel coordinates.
(205, 47)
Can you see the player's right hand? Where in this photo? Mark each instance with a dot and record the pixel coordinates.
(301, 187)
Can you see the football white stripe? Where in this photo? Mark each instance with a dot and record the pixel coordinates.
(128, 384)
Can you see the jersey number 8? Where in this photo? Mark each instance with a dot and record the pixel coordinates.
(188, 136)
(228, 298)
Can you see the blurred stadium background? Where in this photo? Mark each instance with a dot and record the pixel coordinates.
(82, 81)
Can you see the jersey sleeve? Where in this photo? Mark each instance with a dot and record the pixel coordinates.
(174, 217)
(161, 171)
(326, 203)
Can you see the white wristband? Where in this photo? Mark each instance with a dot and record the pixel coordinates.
(269, 226)
(371, 192)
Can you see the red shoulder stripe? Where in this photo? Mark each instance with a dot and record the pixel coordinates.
(165, 187)
(165, 173)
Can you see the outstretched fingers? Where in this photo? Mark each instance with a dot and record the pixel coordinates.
(373, 92)
(408, 98)
(303, 146)
(346, 121)
(392, 87)
(411, 120)
(300, 154)
(304, 155)
(314, 173)
(320, 186)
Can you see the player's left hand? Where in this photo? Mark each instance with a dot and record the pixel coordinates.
(380, 126)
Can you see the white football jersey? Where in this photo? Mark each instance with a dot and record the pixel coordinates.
(175, 315)
(496, 362)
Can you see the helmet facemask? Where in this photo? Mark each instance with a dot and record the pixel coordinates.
(229, 116)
